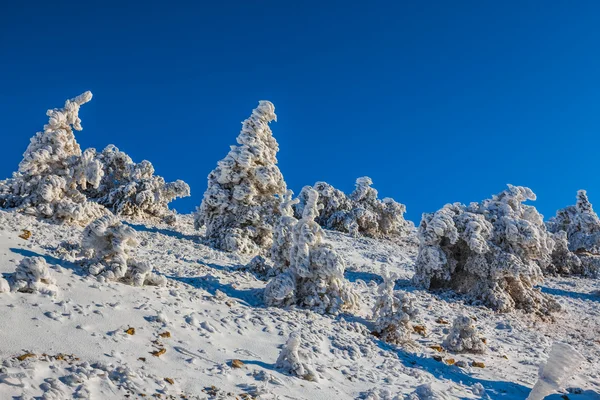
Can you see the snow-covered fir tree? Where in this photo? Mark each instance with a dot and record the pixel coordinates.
(315, 276)
(48, 181)
(240, 205)
(463, 337)
(493, 251)
(131, 189)
(291, 360)
(393, 312)
(361, 213)
(577, 233)
(108, 245)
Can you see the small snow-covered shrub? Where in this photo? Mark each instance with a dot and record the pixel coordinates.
(291, 360)
(52, 172)
(493, 251)
(361, 213)
(108, 243)
(32, 275)
(131, 189)
(240, 205)
(463, 337)
(4, 286)
(577, 231)
(427, 392)
(393, 312)
(315, 276)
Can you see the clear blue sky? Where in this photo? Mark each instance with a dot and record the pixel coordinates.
(437, 101)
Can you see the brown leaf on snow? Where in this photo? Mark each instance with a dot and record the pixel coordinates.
(420, 329)
(450, 361)
(159, 353)
(130, 331)
(477, 364)
(165, 334)
(171, 381)
(442, 321)
(437, 347)
(25, 356)
(25, 235)
(236, 364)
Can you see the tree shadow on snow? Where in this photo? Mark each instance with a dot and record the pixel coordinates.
(569, 293)
(50, 260)
(585, 395)
(249, 297)
(166, 232)
(354, 276)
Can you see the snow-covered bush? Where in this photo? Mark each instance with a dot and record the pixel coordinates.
(32, 275)
(131, 189)
(315, 276)
(282, 235)
(4, 286)
(463, 337)
(48, 181)
(108, 244)
(562, 364)
(240, 205)
(577, 231)
(393, 312)
(493, 251)
(361, 213)
(291, 360)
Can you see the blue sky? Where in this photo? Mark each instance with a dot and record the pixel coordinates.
(437, 101)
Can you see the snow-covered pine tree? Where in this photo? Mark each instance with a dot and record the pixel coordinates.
(48, 181)
(463, 337)
(577, 233)
(131, 189)
(240, 205)
(493, 251)
(315, 276)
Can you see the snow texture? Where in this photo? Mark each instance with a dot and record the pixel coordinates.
(562, 364)
(131, 189)
(361, 213)
(241, 204)
(315, 276)
(33, 276)
(463, 337)
(108, 243)
(52, 172)
(292, 362)
(393, 312)
(577, 229)
(494, 251)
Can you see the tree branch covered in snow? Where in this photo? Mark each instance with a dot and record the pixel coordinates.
(361, 213)
(108, 243)
(577, 233)
(493, 251)
(463, 337)
(240, 205)
(131, 189)
(315, 276)
(52, 171)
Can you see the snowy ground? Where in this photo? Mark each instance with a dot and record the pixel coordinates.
(75, 345)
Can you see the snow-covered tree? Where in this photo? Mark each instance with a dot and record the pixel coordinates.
(48, 181)
(291, 360)
(131, 189)
(108, 245)
(315, 276)
(577, 232)
(282, 235)
(4, 286)
(393, 312)
(240, 205)
(493, 251)
(361, 213)
(463, 337)
(32, 275)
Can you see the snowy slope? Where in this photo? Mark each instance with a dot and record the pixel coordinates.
(213, 312)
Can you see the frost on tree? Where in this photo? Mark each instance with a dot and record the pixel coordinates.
(315, 276)
(493, 251)
(48, 181)
(577, 233)
(393, 312)
(293, 361)
(109, 244)
(131, 189)
(361, 213)
(32, 276)
(240, 205)
(562, 364)
(463, 337)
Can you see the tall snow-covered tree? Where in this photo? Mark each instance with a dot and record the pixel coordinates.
(240, 205)
(315, 276)
(493, 251)
(48, 181)
(131, 189)
(577, 233)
